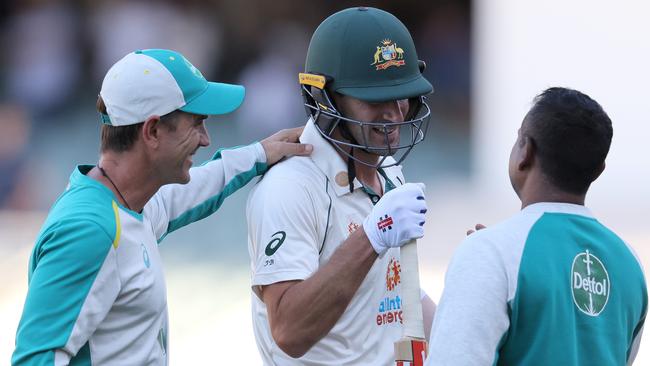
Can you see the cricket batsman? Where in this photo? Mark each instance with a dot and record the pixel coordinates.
(325, 231)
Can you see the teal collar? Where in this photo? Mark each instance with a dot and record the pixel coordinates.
(388, 185)
(79, 177)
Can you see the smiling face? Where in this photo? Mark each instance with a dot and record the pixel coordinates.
(179, 140)
(381, 138)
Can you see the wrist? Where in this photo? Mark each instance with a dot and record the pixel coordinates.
(261, 151)
(361, 237)
(371, 237)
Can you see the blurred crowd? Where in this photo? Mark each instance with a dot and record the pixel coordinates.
(55, 53)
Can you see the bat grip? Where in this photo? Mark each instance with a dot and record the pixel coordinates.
(412, 321)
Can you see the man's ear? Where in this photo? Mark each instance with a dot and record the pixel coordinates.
(151, 131)
(600, 171)
(526, 156)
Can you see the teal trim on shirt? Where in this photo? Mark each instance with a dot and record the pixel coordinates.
(83, 357)
(388, 186)
(217, 154)
(79, 177)
(69, 252)
(212, 204)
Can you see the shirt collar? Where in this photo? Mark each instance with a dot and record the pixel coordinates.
(79, 177)
(558, 207)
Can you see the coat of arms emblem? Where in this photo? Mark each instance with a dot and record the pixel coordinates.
(387, 55)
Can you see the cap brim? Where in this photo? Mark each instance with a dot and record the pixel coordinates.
(218, 98)
(409, 89)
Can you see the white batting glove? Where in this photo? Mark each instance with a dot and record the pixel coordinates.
(397, 218)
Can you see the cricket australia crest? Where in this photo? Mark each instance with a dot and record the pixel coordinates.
(589, 283)
(387, 55)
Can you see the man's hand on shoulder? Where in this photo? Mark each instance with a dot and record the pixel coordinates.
(284, 144)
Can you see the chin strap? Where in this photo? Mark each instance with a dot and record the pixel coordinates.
(352, 172)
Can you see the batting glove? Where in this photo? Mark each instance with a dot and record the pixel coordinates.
(397, 218)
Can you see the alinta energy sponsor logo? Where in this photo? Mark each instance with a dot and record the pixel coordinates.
(589, 283)
(352, 227)
(390, 308)
(393, 274)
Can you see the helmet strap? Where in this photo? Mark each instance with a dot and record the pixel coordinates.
(352, 171)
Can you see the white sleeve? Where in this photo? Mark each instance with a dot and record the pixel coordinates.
(283, 232)
(176, 205)
(472, 315)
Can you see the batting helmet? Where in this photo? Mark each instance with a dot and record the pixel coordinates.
(368, 54)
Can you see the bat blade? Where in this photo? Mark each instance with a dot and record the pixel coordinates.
(411, 349)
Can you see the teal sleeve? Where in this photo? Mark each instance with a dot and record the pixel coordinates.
(177, 205)
(64, 266)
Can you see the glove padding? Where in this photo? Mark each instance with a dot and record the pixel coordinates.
(397, 218)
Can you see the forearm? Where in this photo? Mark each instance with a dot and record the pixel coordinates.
(209, 185)
(308, 310)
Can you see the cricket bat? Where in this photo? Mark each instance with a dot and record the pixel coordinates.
(411, 349)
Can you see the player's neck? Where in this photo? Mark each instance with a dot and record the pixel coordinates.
(367, 175)
(129, 177)
(538, 188)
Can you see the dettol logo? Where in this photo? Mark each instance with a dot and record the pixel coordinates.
(589, 283)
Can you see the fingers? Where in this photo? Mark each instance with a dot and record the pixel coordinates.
(276, 150)
(409, 189)
(420, 188)
(477, 227)
(418, 233)
(287, 135)
(293, 134)
(290, 149)
(285, 143)
(420, 207)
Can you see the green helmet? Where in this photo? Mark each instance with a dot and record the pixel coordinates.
(368, 54)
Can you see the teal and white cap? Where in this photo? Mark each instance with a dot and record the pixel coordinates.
(156, 82)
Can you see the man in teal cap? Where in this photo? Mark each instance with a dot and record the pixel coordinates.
(96, 286)
(325, 231)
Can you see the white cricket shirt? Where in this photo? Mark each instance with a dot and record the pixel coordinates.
(298, 215)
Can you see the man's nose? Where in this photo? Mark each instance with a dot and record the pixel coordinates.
(205, 138)
(394, 111)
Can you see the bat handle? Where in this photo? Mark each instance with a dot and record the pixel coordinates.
(413, 323)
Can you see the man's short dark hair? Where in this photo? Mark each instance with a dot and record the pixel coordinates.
(122, 138)
(572, 135)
